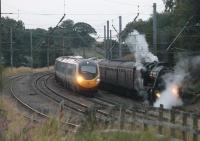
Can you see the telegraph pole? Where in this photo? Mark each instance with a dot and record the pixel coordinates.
(110, 49)
(154, 29)
(0, 37)
(11, 48)
(63, 47)
(105, 46)
(107, 43)
(31, 44)
(120, 40)
(48, 45)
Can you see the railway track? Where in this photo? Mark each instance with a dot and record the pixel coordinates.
(99, 101)
(102, 102)
(40, 85)
(43, 84)
(65, 98)
(34, 114)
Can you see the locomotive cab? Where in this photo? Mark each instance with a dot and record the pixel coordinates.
(88, 75)
(154, 80)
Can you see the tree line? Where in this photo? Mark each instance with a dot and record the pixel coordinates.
(178, 15)
(57, 40)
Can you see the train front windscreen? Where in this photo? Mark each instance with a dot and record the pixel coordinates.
(88, 70)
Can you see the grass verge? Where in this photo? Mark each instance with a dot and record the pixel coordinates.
(21, 70)
(21, 129)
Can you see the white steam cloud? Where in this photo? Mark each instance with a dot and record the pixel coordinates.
(138, 46)
(169, 97)
(185, 72)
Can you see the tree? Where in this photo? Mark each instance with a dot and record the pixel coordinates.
(169, 5)
(57, 40)
(84, 28)
(67, 24)
(83, 31)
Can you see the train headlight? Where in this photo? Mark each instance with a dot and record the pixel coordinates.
(98, 80)
(175, 90)
(79, 79)
(158, 95)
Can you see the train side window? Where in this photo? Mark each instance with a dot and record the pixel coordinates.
(59, 67)
(62, 67)
(73, 69)
(65, 68)
(69, 70)
(130, 72)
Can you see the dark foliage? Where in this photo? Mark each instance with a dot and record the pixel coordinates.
(60, 40)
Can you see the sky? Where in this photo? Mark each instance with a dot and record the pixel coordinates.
(47, 13)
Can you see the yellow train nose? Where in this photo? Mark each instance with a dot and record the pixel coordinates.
(87, 83)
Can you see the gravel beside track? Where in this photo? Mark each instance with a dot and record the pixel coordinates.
(38, 107)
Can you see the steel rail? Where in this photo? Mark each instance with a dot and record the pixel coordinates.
(27, 106)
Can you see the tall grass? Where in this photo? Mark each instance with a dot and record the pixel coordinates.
(21, 70)
(21, 129)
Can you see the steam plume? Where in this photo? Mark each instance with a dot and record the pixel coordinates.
(185, 73)
(138, 46)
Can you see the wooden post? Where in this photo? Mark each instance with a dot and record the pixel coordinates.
(61, 110)
(195, 127)
(32, 119)
(184, 123)
(172, 120)
(93, 114)
(91, 118)
(112, 117)
(160, 128)
(145, 118)
(133, 120)
(122, 117)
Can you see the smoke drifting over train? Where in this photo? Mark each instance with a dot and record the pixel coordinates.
(146, 77)
(173, 80)
(184, 72)
(170, 97)
(138, 46)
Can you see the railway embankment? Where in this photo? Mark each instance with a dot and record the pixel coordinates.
(104, 117)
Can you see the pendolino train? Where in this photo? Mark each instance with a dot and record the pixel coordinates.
(78, 74)
(123, 76)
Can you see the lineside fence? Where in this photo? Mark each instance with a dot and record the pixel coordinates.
(171, 123)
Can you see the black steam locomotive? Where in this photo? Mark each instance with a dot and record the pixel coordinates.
(124, 76)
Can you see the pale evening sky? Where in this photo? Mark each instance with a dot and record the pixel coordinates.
(46, 13)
